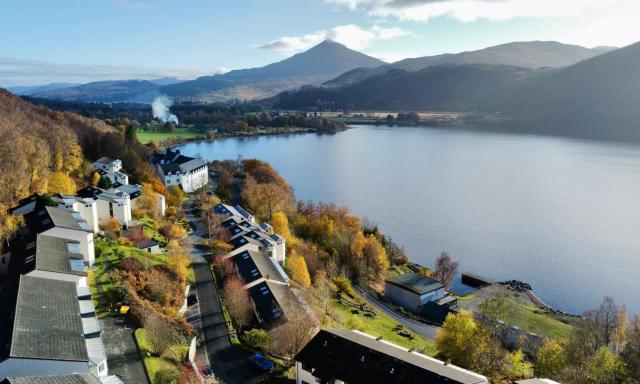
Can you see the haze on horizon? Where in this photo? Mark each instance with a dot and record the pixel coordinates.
(78, 41)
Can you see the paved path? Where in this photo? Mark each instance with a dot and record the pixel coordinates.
(123, 358)
(228, 362)
(425, 330)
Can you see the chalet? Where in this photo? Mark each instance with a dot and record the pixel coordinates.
(190, 173)
(343, 356)
(273, 303)
(45, 330)
(414, 290)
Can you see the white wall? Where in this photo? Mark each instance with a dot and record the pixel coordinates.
(84, 238)
(302, 375)
(89, 213)
(194, 180)
(77, 279)
(410, 300)
(121, 212)
(280, 252)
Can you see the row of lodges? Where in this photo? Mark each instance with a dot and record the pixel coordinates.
(258, 256)
(49, 325)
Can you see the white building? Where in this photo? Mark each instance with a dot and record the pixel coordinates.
(109, 205)
(187, 172)
(343, 356)
(111, 169)
(414, 290)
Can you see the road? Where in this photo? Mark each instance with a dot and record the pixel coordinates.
(228, 362)
(425, 330)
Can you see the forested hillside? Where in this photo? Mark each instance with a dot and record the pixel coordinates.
(45, 151)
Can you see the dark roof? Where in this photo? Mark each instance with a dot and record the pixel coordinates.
(8, 298)
(47, 321)
(357, 358)
(104, 160)
(44, 218)
(266, 304)
(147, 244)
(58, 379)
(239, 241)
(252, 267)
(416, 283)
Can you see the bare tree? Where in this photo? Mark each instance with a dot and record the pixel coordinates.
(161, 334)
(446, 269)
(600, 324)
(236, 298)
(295, 333)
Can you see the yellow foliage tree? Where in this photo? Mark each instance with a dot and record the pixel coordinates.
(175, 196)
(453, 338)
(299, 270)
(60, 182)
(95, 179)
(281, 227)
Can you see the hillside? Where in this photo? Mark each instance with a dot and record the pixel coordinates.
(533, 54)
(106, 91)
(320, 63)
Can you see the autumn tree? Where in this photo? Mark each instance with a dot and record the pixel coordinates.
(295, 333)
(175, 196)
(281, 227)
(445, 269)
(551, 359)
(237, 301)
(178, 263)
(374, 258)
(95, 179)
(453, 339)
(299, 271)
(173, 231)
(112, 228)
(161, 334)
(265, 199)
(60, 182)
(631, 352)
(605, 367)
(516, 367)
(148, 201)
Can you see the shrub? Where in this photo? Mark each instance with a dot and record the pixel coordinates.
(131, 264)
(166, 376)
(258, 339)
(356, 323)
(137, 213)
(344, 286)
(175, 353)
(173, 232)
(120, 294)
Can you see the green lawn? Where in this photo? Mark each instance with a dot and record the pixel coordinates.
(152, 364)
(381, 325)
(184, 133)
(532, 319)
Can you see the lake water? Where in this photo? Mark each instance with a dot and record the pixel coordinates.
(561, 214)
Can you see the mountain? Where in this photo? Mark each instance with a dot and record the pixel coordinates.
(320, 63)
(105, 91)
(532, 54)
(29, 90)
(594, 98)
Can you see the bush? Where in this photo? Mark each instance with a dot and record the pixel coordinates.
(176, 353)
(166, 376)
(120, 294)
(137, 213)
(356, 323)
(258, 339)
(173, 232)
(344, 286)
(131, 264)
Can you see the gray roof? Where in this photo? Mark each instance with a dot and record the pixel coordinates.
(54, 255)
(47, 322)
(416, 283)
(66, 219)
(58, 379)
(105, 160)
(192, 165)
(255, 265)
(287, 301)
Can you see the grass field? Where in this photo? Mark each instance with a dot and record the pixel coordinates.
(184, 133)
(381, 325)
(535, 320)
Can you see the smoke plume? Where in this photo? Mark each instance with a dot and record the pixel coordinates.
(160, 107)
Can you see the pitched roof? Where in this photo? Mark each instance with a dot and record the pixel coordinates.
(253, 266)
(266, 304)
(58, 255)
(58, 379)
(355, 358)
(104, 160)
(416, 283)
(44, 218)
(47, 324)
(8, 298)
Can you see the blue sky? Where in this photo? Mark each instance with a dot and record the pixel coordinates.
(193, 37)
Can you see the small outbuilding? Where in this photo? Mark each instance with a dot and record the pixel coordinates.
(149, 246)
(413, 290)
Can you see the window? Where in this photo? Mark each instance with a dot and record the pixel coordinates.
(3, 260)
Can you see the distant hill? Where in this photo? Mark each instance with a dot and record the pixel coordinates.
(533, 54)
(596, 98)
(29, 90)
(320, 63)
(105, 91)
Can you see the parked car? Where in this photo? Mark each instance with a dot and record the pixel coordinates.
(261, 362)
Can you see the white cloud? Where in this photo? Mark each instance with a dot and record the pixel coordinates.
(350, 35)
(471, 10)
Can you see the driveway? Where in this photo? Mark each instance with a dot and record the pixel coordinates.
(122, 354)
(228, 362)
(423, 329)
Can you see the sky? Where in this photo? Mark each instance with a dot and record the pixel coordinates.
(82, 40)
